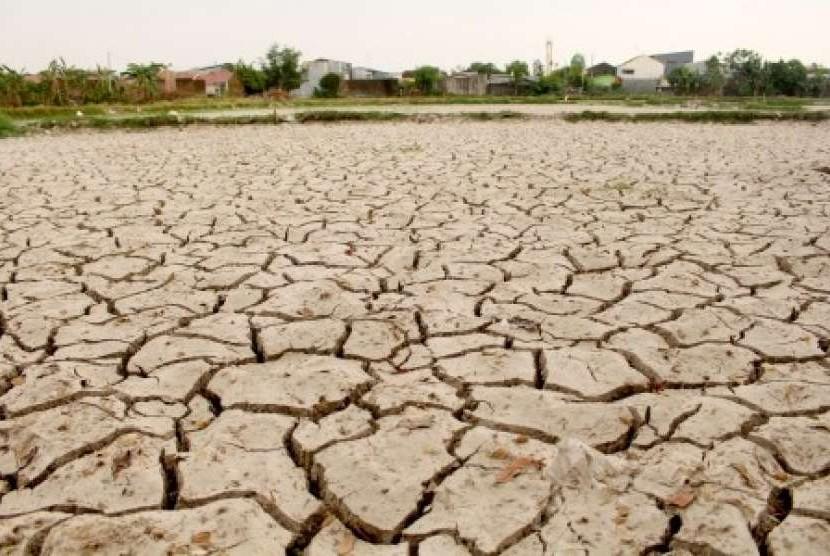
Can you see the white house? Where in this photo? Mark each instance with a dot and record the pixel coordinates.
(314, 71)
(641, 67)
(647, 74)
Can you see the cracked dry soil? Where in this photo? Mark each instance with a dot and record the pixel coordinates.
(513, 338)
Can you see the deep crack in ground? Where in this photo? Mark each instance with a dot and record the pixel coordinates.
(515, 338)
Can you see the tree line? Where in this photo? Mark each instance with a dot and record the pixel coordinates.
(745, 73)
(61, 84)
(738, 73)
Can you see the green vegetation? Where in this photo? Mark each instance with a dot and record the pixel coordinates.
(517, 70)
(332, 116)
(576, 71)
(63, 85)
(201, 104)
(329, 86)
(146, 77)
(148, 122)
(348, 116)
(705, 116)
(490, 116)
(252, 79)
(744, 73)
(7, 127)
(484, 68)
(280, 69)
(427, 79)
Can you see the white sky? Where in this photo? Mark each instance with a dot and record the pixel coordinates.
(395, 35)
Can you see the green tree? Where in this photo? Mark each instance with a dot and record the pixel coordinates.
(684, 81)
(787, 78)
(713, 79)
(146, 78)
(329, 86)
(12, 87)
(576, 71)
(427, 79)
(518, 70)
(54, 82)
(281, 68)
(484, 68)
(818, 81)
(101, 86)
(552, 84)
(78, 84)
(747, 75)
(252, 78)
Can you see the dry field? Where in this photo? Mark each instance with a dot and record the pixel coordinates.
(515, 338)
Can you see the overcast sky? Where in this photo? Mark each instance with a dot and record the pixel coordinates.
(395, 35)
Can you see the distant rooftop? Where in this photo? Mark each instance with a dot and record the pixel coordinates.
(683, 57)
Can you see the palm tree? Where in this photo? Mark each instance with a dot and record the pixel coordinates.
(12, 87)
(54, 79)
(146, 77)
(77, 83)
(100, 88)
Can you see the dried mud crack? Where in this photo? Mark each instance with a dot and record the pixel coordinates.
(522, 337)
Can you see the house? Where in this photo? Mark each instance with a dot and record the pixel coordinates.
(647, 74)
(212, 81)
(470, 83)
(371, 88)
(601, 69)
(502, 85)
(467, 83)
(360, 73)
(355, 80)
(315, 70)
(673, 60)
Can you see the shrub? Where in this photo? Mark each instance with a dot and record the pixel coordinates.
(329, 86)
(7, 128)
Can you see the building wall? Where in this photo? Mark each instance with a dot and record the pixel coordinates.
(371, 88)
(641, 67)
(314, 72)
(602, 69)
(168, 80)
(466, 84)
(640, 85)
(360, 73)
(190, 87)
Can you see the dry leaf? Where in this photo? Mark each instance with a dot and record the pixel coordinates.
(744, 473)
(515, 468)
(780, 476)
(521, 439)
(201, 538)
(417, 422)
(120, 462)
(346, 545)
(500, 453)
(682, 498)
(201, 424)
(622, 514)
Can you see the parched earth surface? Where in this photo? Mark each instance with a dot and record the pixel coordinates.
(471, 338)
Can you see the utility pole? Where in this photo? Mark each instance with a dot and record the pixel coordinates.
(549, 57)
(109, 72)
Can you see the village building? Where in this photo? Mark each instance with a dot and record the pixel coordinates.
(648, 74)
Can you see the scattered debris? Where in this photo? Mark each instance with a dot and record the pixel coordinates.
(516, 467)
